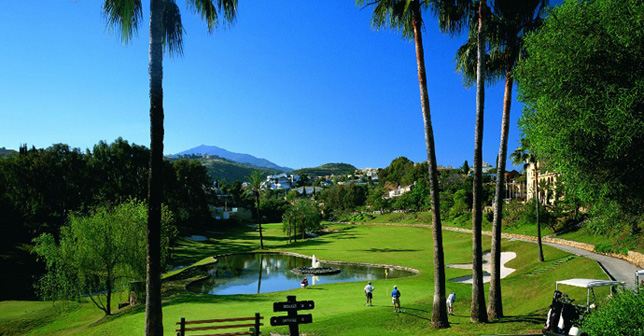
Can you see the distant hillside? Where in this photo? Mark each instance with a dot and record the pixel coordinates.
(237, 157)
(328, 169)
(220, 169)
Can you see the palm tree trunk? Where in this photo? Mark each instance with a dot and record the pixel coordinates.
(439, 314)
(259, 222)
(536, 198)
(478, 313)
(495, 305)
(108, 299)
(153, 308)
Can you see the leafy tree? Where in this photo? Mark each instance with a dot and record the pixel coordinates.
(622, 314)
(376, 199)
(583, 99)
(304, 214)
(465, 169)
(166, 32)
(98, 253)
(400, 172)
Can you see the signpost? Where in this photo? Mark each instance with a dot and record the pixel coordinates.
(292, 319)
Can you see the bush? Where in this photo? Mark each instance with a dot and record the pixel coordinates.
(621, 315)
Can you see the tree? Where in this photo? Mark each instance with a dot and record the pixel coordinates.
(465, 169)
(589, 125)
(166, 32)
(254, 188)
(510, 22)
(524, 156)
(476, 16)
(406, 15)
(97, 254)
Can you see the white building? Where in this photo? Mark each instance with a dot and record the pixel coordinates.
(280, 182)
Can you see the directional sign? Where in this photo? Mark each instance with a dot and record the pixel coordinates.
(288, 320)
(298, 305)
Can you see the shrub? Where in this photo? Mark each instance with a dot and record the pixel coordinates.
(621, 315)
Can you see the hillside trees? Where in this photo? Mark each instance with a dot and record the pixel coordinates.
(97, 253)
(40, 187)
(583, 94)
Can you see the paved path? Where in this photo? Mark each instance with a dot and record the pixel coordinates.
(615, 268)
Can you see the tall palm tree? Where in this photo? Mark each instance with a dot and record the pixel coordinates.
(406, 15)
(166, 32)
(512, 19)
(523, 155)
(477, 311)
(472, 61)
(255, 185)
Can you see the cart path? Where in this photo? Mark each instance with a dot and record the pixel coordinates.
(615, 268)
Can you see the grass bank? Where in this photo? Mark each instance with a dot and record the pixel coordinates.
(340, 307)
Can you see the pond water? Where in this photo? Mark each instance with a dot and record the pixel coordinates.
(265, 273)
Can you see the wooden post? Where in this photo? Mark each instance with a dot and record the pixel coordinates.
(293, 329)
(183, 327)
(256, 324)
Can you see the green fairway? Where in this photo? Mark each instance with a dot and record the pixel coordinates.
(339, 308)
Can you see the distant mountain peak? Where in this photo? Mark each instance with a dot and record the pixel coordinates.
(237, 157)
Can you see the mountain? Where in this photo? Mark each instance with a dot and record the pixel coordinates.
(328, 169)
(237, 157)
(223, 169)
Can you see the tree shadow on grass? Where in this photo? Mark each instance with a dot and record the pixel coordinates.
(386, 250)
(531, 318)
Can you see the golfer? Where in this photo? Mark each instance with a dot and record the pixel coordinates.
(395, 299)
(368, 291)
(450, 302)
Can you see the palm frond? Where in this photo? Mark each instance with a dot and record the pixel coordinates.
(453, 15)
(466, 58)
(210, 11)
(123, 15)
(392, 14)
(172, 29)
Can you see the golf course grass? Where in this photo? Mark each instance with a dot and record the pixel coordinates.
(339, 307)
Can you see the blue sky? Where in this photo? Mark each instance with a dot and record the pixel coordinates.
(298, 85)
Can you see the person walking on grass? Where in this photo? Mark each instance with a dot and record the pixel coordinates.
(395, 299)
(368, 291)
(450, 303)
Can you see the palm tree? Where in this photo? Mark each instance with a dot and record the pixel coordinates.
(477, 312)
(166, 32)
(255, 187)
(512, 19)
(406, 15)
(472, 61)
(523, 155)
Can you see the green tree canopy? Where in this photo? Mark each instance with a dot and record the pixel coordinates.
(98, 253)
(583, 92)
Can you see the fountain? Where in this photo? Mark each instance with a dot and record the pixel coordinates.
(316, 269)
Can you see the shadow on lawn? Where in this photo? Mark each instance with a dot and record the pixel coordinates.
(532, 318)
(386, 250)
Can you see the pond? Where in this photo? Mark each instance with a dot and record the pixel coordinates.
(265, 273)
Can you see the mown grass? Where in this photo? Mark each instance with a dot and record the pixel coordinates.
(340, 307)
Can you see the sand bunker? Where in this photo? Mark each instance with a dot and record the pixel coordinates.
(505, 271)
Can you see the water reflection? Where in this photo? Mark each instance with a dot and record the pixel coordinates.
(265, 273)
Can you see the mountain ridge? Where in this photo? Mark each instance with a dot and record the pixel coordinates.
(237, 157)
